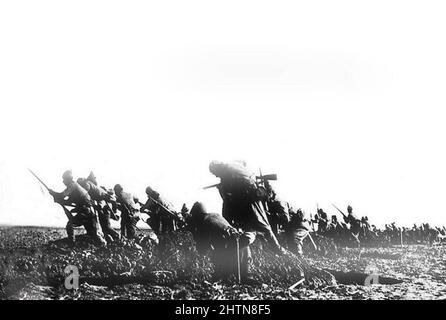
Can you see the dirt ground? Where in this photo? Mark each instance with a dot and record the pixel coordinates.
(33, 261)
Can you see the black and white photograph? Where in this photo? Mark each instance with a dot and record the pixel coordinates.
(241, 151)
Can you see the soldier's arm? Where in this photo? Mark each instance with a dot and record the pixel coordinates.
(61, 197)
(146, 207)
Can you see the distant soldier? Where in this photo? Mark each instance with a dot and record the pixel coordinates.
(334, 224)
(365, 228)
(126, 204)
(103, 202)
(322, 221)
(76, 196)
(213, 233)
(355, 225)
(242, 207)
(162, 217)
(296, 230)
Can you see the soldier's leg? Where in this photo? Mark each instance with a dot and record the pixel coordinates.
(270, 238)
(131, 228)
(298, 240)
(70, 231)
(104, 221)
(246, 239)
(77, 221)
(123, 226)
(91, 224)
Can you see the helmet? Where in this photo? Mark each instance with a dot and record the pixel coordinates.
(152, 193)
(198, 210)
(118, 188)
(67, 175)
(215, 167)
(91, 177)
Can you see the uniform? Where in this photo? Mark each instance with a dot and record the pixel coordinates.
(243, 208)
(74, 195)
(102, 201)
(126, 203)
(162, 218)
(296, 230)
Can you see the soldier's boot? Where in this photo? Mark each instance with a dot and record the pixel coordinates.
(70, 233)
(95, 236)
(95, 233)
(109, 233)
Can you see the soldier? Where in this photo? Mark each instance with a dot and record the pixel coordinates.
(126, 203)
(366, 232)
(296, 231)
(355, 225)
(103, 202)
(277, 210)
(213, 233)
(322, 221)
(242, 207)
(162, 218)
(74, 195)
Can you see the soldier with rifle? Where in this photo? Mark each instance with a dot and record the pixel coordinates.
(77, 197)
(354, 222)
(103, 202)
(126, 204)
(296, 230)
(243, 208)
(334, 229)
(162, 218)
(322, 221)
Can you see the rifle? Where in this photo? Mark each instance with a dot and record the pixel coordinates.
(212, 186)
(164, 208)
(66, 211)
(312, 241)
(343, 214)
(261, 177)
(265, 177)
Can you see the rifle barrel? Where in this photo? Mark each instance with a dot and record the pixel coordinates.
(40, 180)
(66, 211)
(339, 210)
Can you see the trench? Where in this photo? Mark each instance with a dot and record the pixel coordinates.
(361, 278)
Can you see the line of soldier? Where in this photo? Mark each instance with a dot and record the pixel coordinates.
(250, 208)
(243, 216)
(355, 232)
(93, 206)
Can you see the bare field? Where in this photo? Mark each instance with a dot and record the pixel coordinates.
(33, 260)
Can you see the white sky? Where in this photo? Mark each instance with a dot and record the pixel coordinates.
(344, 100)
